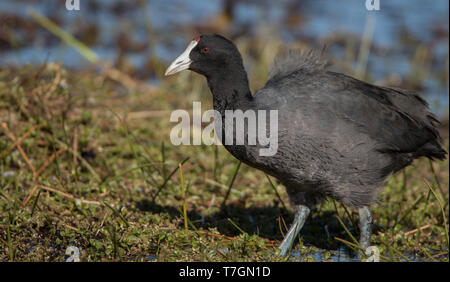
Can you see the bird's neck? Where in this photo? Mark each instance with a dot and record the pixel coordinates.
(230, 89)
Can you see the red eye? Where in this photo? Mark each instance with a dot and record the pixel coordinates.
(205, 50)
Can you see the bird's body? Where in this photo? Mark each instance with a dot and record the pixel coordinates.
(337, 136)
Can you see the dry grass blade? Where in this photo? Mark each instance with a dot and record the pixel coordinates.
(235, 172)
(279, 226)
(19, 147)
(147, 114)
(69, 196)
(85, 51)
(357, 247)
(35, 187)
(167, 180)
(48, 162)
(347, 231)
(427, 253)
(390, 247)
(416, 230)
(75, 148)
(18, 141)
(81, 159)
(183, 196)
(235, 225)
(408, 211)
(116, 212)
(276, 191)
(88, 54)
(442, 211)
(221, 253)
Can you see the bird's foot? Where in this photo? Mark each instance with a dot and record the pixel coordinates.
(284, 249)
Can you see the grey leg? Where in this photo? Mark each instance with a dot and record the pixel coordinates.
(365, 228)
(300, 218)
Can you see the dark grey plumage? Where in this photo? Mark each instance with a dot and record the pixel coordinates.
(338, 136)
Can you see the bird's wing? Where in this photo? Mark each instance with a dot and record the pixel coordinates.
(398, 120)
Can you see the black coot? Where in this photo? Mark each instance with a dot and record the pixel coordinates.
(337, 136)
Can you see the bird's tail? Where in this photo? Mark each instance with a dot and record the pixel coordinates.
(432, 150)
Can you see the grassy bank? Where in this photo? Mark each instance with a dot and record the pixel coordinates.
(86, 160)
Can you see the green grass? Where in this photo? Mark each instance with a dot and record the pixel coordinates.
(96, 170)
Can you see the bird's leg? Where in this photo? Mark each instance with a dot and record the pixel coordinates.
(365, 228)
(300, 217)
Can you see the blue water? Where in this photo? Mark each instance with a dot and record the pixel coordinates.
(172, 22)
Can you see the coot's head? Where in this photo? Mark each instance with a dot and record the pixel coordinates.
(208, 55)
